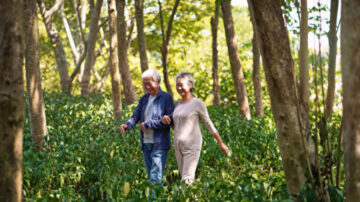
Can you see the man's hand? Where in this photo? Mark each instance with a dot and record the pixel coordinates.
(142, 127)
(123, 128)
(166, 120)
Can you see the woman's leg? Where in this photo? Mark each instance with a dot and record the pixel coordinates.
(190, 162)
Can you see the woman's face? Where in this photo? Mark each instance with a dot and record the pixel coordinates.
(183, 86)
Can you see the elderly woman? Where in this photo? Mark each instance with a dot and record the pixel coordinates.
(187, 136)
(155, 136)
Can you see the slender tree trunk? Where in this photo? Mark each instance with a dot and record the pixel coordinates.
(89, 62)
(129, 92)
(166, 40)
(33, 79)
(12, 108)
(304, 67)
(256, 78)
(139, 14)
(235, 64)
(332, 57)
(279, 73)
(114, 62)
(56, 43)
(215, 74)
(350, 62)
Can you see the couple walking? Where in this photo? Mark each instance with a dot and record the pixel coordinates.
(156, 114)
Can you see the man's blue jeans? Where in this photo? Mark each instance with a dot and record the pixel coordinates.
(155, 161)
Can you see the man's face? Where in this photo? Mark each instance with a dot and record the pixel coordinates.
(150, 85)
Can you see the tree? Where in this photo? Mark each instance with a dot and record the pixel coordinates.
(304, 93)
(114, 62)
(332, 57)
(12, 109)
(90, 54)
(237, 73)
(55, 40)
(280, 76)
(214, 28)
(165, 43)
(350, 40)
(129, 92)
(256, 78)
(139, 15)
(33, 80)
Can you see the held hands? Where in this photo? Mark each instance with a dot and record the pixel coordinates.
(142, 127)
(123, 128)
(166, 120)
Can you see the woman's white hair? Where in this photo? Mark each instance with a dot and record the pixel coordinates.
(153, 73)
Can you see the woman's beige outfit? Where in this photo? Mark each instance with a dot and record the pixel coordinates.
(187, 138)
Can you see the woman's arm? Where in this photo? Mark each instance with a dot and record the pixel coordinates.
(222, 146)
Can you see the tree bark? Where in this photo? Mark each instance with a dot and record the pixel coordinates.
(33, 80)
(114, 61)
(56, 43)
(166, 40)
(256, 78)
(129, 92)
(304, 67)
(215, 70)
(89, 62)
(279, 72)
(350, 62)
(332, 58)
(12, 109)
(237, 73)
(139, 14)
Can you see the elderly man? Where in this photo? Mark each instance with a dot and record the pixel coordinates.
(155, 136)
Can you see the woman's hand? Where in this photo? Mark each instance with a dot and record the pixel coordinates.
(166, 120)
(224, 149)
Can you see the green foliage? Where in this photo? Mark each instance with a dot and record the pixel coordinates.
(90, 160)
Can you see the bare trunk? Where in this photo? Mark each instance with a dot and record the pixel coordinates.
(350, 62)
(33, 79)
(114, 62)
(56, 43)
(279, 72)
(237, 73)
(11, 99)
(332, 58)
(166, 40)
(129, 92)
(89, 63)
(257, 79)
(215, 74)
(139, 9)
(304, 93)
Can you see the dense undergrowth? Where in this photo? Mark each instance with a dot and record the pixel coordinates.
(91, 160)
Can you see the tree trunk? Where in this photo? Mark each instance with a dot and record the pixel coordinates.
(56, 43)
(279, 72)
(114, 62)
(166, 40)
(215, 74)
(90, 54)
(11, 99)
(332, 57)
(139, 9)
(350, 62)
(304, 93)
(257, 79)
(235, 64)
(129, 92)
(33, 79)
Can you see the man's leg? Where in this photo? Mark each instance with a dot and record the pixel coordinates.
(158, 158)
(147, 149)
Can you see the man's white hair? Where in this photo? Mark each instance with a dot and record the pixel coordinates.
(153, 73)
